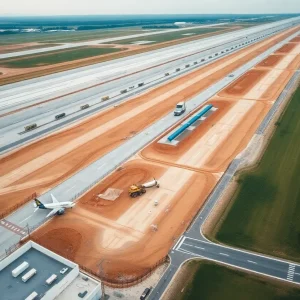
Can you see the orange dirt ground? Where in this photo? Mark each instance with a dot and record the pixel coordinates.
(271, 81)
(287, 48)
(114, 238)
(244, 84)
(114, 232)
(295, 40)
(27, 166)
(271, 61)
(287, 62)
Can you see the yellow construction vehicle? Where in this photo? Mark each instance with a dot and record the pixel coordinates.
(136, 190)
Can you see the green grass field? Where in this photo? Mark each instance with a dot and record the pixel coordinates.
(55, 57)
(66, 37)
(216, 282)
(165, 37)
(264, 215)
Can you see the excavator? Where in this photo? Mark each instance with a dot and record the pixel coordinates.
(136, 190)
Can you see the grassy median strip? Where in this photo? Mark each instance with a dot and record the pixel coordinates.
(212, 281)
(264, 215)
(55, 57)
(170, 36)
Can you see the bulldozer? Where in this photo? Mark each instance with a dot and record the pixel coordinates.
(136, 190)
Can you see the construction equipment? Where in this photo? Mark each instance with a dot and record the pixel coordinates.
(136, 190)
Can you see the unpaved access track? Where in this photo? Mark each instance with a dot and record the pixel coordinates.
(117, 239)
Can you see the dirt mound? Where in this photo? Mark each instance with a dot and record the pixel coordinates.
(63, 241)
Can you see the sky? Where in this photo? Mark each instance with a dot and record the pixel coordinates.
(97, 7)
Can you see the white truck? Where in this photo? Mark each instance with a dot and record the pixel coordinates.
(180, 109)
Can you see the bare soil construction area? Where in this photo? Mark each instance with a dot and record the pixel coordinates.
(115, 232)
(287, 62)
(271, 61)
(229, 128)
(287, 48)
(295, 40)
(122, 239)
(258, 84)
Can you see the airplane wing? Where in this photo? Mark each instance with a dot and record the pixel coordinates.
(52, 212)
(54, 200)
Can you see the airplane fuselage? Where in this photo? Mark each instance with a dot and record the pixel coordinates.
(60, 205)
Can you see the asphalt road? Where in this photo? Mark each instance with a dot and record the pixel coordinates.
(101, 41)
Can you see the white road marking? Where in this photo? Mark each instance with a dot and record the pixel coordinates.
(194, 246)
(26, 219)
(252, 262)
(188, 252)
(290, 273)
(223, 254)
(69, 189)
(101, 166)
(199, 248)
(174, 248)
(179, 245)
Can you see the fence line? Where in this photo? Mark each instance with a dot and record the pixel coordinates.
(17, 205)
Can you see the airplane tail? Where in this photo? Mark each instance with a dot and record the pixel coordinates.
(38, 203)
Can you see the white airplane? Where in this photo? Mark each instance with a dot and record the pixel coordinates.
(56, 206)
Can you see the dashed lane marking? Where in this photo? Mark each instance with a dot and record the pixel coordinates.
(13, 228)
(252, 262)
